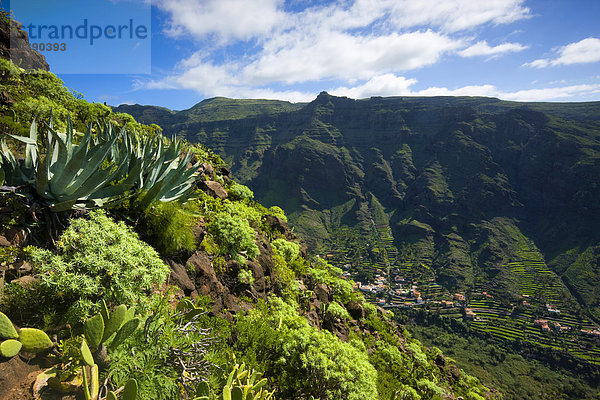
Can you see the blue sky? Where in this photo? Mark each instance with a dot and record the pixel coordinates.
(542, 50)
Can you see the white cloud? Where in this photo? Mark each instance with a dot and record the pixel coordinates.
(344, 56)
(346, 41)
(541, 63)
(226, 19)
(457, 15)
(238, 19)
(563, 93)
(392, 85)
(382, 85)
(482, 48)
(582, 52)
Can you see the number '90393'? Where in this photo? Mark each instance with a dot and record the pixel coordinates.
(49, 46)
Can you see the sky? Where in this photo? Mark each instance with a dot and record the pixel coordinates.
(538, 50)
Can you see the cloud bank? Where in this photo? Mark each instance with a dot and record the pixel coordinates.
(361, 48)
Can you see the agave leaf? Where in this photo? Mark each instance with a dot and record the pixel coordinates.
(73, 166)
(31, 150)
(92, 167)
(63, 206)
(42, 176)
(24, 139)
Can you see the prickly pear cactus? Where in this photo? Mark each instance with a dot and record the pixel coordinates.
(93, 329)
(125, 331)
(115, 321)
(131, 390)
(7, 330)
(10, 348)
(86, 354)
(34, 340)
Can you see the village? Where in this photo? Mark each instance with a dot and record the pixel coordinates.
(480, 308)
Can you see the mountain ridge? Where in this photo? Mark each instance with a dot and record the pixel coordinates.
(438, 167)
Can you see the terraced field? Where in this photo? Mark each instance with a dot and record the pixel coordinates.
(540, 294)
(543, 297)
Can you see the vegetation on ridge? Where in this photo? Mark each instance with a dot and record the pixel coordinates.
(488, 199)
(245, 294)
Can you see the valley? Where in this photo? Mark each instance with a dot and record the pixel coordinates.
(476, 210)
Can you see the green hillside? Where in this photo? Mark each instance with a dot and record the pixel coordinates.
(443, 171)
(134, 266)
(491, 199)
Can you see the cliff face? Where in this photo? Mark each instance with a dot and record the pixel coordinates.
(465, 185)
(14, 46)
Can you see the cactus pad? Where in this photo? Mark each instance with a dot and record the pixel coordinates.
(104, 312)
(126, 330)
(86, 354)
(131, 390)
(93, 329)
(115, 321)
(34, 340)
(111, 396)
(7, 330)
(10, 348)
(237, 393)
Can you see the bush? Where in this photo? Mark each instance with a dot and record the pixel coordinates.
(155, 355)
(335, 310)
(97, 258)
(288, 250)
(278, 212)
(170, 226)
(240, 192)
(329, 275)
(234, 236)
(240, 210)
(301, 360)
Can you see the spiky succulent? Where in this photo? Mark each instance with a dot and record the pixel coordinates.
(102, 170)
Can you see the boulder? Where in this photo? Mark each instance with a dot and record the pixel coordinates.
(323, 293)
(180, 278)
(356, 310)
(213, 189)
(208, 169)
(26, 281)
(4, 242)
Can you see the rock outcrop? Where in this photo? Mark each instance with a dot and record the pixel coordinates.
(14, 46)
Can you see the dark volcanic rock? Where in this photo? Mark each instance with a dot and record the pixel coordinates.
(214, 189)
(355, 309)
(14, 46)
(180, 278)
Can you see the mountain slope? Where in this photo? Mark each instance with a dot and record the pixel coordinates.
(464, 185)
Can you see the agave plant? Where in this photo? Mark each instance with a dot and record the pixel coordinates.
(165, 175)
(81, 175)
(12, 172)
(101, 170)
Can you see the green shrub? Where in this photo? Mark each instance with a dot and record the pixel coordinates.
(429, 389)
(288, 250)
(234, 236)
(417, 353)
(322, 272)
(155, 355)
(278, 212)
(245, 277)
(335, 310)
(240, 192)
(301, 360)
(170, 227)
(240, 210)
(97, 258)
